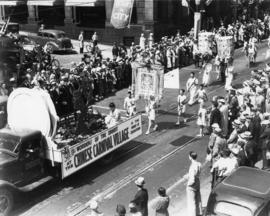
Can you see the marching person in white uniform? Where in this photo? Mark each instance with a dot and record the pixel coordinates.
(151, 112)
(181, 101)
(129, 105)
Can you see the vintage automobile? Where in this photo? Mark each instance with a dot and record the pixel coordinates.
(53, 40)
(246, 192)
(3, 111)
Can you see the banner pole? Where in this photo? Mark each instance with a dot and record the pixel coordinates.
(130, 14)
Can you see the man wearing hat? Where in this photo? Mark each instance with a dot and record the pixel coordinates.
(93, 205)
(215, 115)
(141, 197)
(219, 144)
(250, 148)
(265, 143)
(234, 135)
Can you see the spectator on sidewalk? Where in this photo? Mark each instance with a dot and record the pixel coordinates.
(141, 197)
(120, 210)
(81, 40)
(215, 115)
(194, 203)
(162, 203)
(115, 50)
(93, 205)
(95, 38)
(133, 211)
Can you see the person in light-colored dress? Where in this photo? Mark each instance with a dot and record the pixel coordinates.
(151, 112)
(202, 119)
(191, 86)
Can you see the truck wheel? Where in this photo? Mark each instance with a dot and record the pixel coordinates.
(6, 201)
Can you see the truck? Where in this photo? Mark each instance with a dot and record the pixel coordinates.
(27, 161)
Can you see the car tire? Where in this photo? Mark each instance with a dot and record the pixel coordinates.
(6, 201)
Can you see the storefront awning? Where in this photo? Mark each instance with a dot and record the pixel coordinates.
(12, 2)
(45, 2)
(84, 3)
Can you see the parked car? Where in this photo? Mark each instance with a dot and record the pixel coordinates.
(53, 40)
(27, 43)
(246, 192)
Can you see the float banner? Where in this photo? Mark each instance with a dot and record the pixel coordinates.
(79, 156)
(121, 13)
(206, 42)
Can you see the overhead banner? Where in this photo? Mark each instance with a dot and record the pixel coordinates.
(121, 13)
(79, 156)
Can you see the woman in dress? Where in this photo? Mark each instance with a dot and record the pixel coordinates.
(201, 95)
(229, 73)
(207, 68)
(151, 111)
(202, 119)
(191, 86)
(181, 101)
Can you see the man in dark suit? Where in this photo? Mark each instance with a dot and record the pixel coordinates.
(141, 197)
(215, 115)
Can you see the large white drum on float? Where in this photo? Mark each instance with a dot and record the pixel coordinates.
(31, 109)
(225, 46)
(205, 42)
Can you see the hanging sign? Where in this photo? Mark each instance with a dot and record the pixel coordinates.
(121, 13)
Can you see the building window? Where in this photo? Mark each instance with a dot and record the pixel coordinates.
(92, 17)
(17, 14)
(162, 10)
(51, 16)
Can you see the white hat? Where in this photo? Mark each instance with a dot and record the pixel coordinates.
(140, 181)
(246, 135)
(222, 100)
(215, 125)
(218, 130)
(92, 204)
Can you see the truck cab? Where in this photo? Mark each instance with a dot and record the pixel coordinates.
(21, 164)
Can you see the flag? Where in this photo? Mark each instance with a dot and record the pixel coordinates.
(185, 3)
(121, 13)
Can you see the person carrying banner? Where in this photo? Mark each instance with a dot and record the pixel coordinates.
(181, 101)
(151, 113)
(191, 86)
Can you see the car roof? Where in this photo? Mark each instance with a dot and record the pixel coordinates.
(52, 31)
(248, 187)
(10, 23)
(23, 135)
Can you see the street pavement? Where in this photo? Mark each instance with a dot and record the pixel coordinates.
(161, 157)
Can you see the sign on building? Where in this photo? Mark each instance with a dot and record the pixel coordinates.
(121, 13)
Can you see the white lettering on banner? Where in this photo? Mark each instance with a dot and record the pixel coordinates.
(121, 16)
(78, 156)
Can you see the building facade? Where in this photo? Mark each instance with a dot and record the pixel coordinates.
(162, 17)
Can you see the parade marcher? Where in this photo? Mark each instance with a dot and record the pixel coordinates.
(129, 105)
(202, 119)
(141, 197)
(194, 203)
(81, 41)
(229, 73)
(114, 116)
(94, 208)
(181, 101)
(191, 87)
(162, 203)
(115, 50)
(207, 70)
(151, 112)
(201, 95)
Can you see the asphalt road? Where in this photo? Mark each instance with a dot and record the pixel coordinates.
(161, 157)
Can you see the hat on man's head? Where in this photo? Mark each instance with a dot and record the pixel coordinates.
(215, 125)
(140, 181)
(92, 204)
(246, 135)
(236, 122)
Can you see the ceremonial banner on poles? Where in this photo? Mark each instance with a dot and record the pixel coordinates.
(225, 46)
(147, 80)
(121, 13)
(205, 42)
